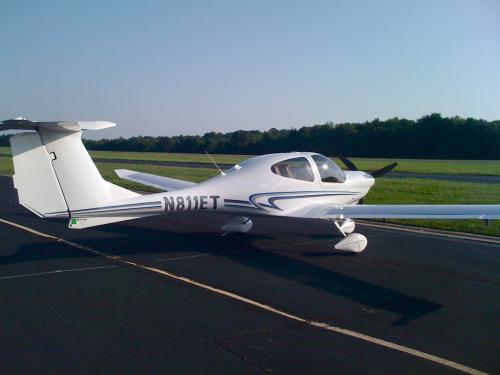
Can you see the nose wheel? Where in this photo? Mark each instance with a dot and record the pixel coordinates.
(352, 242)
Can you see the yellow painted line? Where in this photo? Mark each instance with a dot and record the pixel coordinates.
(22, 227)
(262, 306)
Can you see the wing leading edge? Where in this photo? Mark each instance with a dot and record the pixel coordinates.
(158, 182)
(404, 211)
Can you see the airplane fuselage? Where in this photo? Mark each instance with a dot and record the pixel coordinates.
(252, 188)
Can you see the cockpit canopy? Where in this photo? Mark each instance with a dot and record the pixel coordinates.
(299, 168)
(328, 170)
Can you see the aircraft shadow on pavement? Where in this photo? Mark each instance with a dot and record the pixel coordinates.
(152, 236)
(39, 251)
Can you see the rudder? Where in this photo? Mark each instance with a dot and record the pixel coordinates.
(35, 180)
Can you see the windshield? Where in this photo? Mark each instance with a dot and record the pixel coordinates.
(328, 170)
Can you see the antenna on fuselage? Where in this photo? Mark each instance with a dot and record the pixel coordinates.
(213, 161)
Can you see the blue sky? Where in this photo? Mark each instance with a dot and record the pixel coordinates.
(189, 67)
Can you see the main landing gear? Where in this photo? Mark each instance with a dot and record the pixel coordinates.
(239, 224)
(352, 242)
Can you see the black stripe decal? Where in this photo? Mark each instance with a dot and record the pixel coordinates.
(240, 206)
(120, 210)
(105, 207)
(120, 205)
(236, 201)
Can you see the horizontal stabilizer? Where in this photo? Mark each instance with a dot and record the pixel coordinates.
(70, 126)
(158, 182)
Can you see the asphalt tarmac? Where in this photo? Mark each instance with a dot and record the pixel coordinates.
(169, 295)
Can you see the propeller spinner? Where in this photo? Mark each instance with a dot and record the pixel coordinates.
(377, 173)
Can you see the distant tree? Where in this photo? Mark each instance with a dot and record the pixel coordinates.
(4, 140)
(431, 136)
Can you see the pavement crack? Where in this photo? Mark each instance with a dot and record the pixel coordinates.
(219, 344)
(476, 276)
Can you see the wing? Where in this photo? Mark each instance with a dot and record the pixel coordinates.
(402, 211)
(158, 182)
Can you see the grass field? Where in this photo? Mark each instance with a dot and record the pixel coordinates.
(182, 173)
(427, 191)
(407, 190)
(480, 167)
(4, 150)
(6, 166)
(173, 157)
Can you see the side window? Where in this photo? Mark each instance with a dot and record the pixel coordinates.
(296, 168)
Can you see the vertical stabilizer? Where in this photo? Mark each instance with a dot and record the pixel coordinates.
(54, 174)
(80, 181)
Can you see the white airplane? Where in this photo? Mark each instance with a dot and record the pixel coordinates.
(55, 177)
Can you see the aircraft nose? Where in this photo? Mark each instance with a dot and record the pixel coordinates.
(369, 179)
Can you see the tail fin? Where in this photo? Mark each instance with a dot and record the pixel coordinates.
(54, 174)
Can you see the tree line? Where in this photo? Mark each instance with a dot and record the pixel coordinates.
(432, 136)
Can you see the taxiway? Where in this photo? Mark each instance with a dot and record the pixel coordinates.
(168, 294)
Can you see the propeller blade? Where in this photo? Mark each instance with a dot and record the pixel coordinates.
(349, 164)
(382, 171)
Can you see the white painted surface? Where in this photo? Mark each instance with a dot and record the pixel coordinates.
(158, 182)
(36, 183)
(353, 242)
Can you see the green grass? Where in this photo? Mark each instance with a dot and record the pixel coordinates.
(182, 173)
(173, 157)
(4, 150)
(394, 191)
(426, 191)
(480, 167)
(419, 191)
(6, 166)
